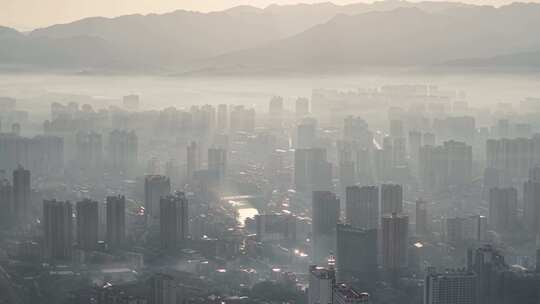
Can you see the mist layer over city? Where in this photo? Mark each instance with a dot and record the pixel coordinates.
(237, 152)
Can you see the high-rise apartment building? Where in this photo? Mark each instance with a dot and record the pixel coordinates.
(503, 209)
(123, 151)
(6, 203)
(391, 199)
(321, 284)
(415, 142)
(449, 165)
(345, 294)
(492, 179)
(242, 119)
(276, 227)
(362, 206)
(275, 106)
(356, 129)
(155, 187)
(421, 218)
(395, 233)
(116, 221)
(531, 202)
(22, 200)
(489, 266)
(428, 139)
(513, 157)
(58, 230)
(89, 151)
(222, 114)
(87, 224)
(325, 214)
(356, 253)
(174, 225)
(193, 161)
(347, 176)
(450, 287)
(312, 171)
(43, 155)
(164, 289)
(306, 133)
(217, 162)
(457, 230)
(275, 112)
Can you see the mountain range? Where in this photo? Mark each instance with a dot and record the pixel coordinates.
(301, 37)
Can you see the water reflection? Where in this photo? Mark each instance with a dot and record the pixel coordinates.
(244, 211)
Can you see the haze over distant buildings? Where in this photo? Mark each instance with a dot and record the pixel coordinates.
(365, 153)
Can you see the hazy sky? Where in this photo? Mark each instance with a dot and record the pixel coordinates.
(29, 14)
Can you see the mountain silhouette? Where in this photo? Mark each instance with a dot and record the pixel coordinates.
(290, 37)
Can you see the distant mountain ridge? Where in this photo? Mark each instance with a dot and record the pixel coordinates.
(404, 36)
(525, 60)
(8, 33)
(295, 37)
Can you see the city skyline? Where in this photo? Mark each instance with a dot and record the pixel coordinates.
(382, 153)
